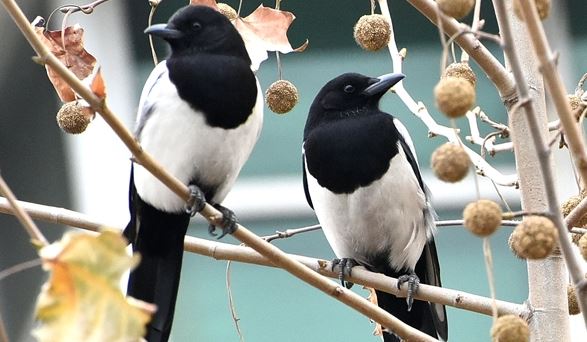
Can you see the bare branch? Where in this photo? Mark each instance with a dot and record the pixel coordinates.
(22, 216)
(469, 43)
(291, 232)
(543, 153)
(223, 251)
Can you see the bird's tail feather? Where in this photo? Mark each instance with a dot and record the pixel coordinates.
(419, 317)
(159, 240)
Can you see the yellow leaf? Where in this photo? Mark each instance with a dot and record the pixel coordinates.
(82, 300)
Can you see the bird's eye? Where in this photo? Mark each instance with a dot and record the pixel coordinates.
(349, 89)
(196, 26)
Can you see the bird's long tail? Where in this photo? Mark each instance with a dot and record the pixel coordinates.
(158, 237)
(419, 317)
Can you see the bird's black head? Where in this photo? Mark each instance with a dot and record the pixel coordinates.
(196, 29)
(349, 95)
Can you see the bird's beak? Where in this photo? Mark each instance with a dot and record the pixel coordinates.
(382, 83)
(164, 31)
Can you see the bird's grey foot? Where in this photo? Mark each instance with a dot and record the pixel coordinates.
(413, 283)
(346, 266)
(229, 221)
(196, 202)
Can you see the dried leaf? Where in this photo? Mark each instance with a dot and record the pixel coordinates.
(82, 300)
(68, 47)
(209, 3)
(266, 30)
(378, 331)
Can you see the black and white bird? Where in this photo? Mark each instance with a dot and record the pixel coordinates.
(362, 179)
(199, 116)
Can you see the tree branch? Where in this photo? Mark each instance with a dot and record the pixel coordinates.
(542, 150)
(22, 216)
(468, 42)
(224, 251)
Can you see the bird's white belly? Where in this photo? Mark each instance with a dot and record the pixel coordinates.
(181, 141)
(387, 216)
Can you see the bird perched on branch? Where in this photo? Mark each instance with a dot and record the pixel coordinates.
(362, 179)
(199, 116)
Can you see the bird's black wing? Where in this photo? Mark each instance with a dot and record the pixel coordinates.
(428, 270)
(411, 160)
(130, 230)
(305, 181)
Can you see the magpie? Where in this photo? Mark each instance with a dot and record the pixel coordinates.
(200, 115)
(361, 177)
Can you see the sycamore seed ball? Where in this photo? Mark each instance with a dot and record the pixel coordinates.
(569, 205)
(510, 328)
(534, 238)
(456, 8)
(574, 308)
(454, 96)
(542, 6)
(482, 217)
(583, 246)
(450, 162)
(73, 118)
(511, 246)
(228, 11)
(372, 32)
(281, 96)
(460, 70)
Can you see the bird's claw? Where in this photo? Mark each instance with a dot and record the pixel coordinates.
(196, 202)
(346, 266)
(413, 284)
(229, 221)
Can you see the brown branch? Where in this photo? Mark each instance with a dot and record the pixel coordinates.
(490, 65)
(224, 251)
(556, 88)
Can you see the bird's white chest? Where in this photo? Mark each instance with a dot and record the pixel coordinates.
(385, 217)
(181, 141)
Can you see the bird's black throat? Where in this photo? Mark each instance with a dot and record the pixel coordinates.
(351, 153)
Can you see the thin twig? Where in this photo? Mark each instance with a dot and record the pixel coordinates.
(223, 251)
(86, 9)
(22, 216)
(490, 278)
(543, 153)
(150, 22)
(231, 305)
(19, 268)
(291, 232)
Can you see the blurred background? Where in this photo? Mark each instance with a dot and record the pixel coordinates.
(89, 173)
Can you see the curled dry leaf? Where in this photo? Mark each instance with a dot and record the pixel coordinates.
(266, 30)
(68, 47)
(82, 300)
